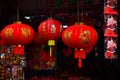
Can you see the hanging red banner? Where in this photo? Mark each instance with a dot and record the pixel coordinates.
(110, 32)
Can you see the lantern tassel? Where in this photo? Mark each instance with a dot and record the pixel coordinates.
(50, 51)
(51, 43)
(79, 63)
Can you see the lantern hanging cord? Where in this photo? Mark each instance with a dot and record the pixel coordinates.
(78, 12)
(17, 11)
(17, 14)
(82, 10)
(51, 9)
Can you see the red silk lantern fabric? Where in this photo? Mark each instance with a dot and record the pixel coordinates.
(2, 42)
(18, 33)
(50, 29)
(80, 36)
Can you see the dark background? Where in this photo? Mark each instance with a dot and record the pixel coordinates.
(96, 67)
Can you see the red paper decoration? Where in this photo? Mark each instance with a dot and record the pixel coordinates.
(3, 42)
(109, 8)
(18, 33)
(110, 30)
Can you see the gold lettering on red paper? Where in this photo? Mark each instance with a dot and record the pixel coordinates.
(43, 28)
(9, 33)
(85, 36)
(67, 35)
(25, 32)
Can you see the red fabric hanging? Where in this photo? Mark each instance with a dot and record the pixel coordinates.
(76, 54)
(80, 54)
(18, 50)
(79, 63)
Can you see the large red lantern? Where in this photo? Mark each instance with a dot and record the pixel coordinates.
(2, 42)
(80, 37)
(50, 30)
(18, 33)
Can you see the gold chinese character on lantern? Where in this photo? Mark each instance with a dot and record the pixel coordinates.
(9, 33)
(68, 35)
(43, 28)
(25, 32)
(85, 36)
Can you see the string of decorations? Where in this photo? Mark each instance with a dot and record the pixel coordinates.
(110, 32)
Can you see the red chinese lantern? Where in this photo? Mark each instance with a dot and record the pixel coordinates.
(80, 37)
(2, 42)
(18, 34)
(50, 30)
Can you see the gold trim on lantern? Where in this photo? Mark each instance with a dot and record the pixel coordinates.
(17, 22)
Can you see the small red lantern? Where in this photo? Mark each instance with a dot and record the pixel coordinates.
(18, 34)
(80, 37)
(50, 30)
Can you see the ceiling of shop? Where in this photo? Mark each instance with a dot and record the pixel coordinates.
(45, 7)
(8, 8)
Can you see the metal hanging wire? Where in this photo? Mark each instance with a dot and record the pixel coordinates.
(78, 11)
(82, 9)
(17, 12)
(18, 18)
